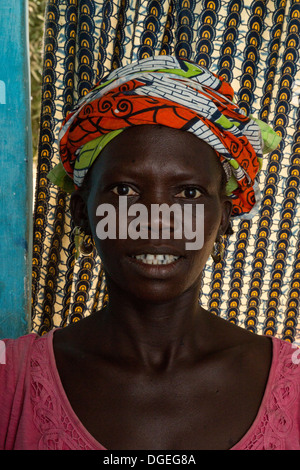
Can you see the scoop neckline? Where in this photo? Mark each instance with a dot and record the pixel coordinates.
(262, 408)
(92, 441)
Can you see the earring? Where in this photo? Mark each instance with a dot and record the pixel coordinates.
(83, 243)
(218, 251)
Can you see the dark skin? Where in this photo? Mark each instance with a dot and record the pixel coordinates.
(156, 370)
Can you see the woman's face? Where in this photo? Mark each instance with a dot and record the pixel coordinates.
(154, 165)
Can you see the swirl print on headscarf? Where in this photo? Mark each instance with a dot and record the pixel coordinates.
(175, 93)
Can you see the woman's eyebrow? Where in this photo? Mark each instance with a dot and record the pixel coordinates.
(173, 178)
(173, 173)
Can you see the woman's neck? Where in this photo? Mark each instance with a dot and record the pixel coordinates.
(155, 335)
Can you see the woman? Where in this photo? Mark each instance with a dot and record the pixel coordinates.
(153, 369)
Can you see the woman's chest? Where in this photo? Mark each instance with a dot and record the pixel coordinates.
(197, 409)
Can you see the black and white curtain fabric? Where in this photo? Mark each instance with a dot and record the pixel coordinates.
(255, 45)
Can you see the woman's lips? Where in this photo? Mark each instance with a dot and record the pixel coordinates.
(154, 265)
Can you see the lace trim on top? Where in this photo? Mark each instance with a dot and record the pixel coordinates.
(61, 429)
(273, 426)
(53, 415)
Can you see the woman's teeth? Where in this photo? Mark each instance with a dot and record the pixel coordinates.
(156, 259)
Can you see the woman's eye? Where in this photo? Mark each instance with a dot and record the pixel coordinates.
(189, 193)
(123, 190)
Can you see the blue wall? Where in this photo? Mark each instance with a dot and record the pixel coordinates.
(15, 170)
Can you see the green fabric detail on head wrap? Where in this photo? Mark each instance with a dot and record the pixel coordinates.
(224, 122)
(192, 71)
(270, 143)
(270, 139)
(233, 163)
(231, 185)
(60, 178)
(102, 85)
(91, 150)
(88, 155)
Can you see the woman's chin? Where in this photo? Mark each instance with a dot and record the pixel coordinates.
(153, 286)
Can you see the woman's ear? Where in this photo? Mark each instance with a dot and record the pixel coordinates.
(79, 212)
(226, 215)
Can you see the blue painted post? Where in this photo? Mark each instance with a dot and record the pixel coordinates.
(15, 170)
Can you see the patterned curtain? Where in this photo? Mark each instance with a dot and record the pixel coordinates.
(255, 44)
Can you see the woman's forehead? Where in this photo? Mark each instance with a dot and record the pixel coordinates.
(157, 148)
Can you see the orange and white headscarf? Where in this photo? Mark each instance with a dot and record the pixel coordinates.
(175, 93)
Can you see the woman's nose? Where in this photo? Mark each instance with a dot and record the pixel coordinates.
(164, 216)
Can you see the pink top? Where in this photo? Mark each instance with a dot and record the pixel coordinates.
(35, 413)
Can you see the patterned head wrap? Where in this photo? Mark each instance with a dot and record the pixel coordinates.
(175, 93)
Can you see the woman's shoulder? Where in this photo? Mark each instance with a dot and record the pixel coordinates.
(18, 355)
(16, 350)
(15, 344)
